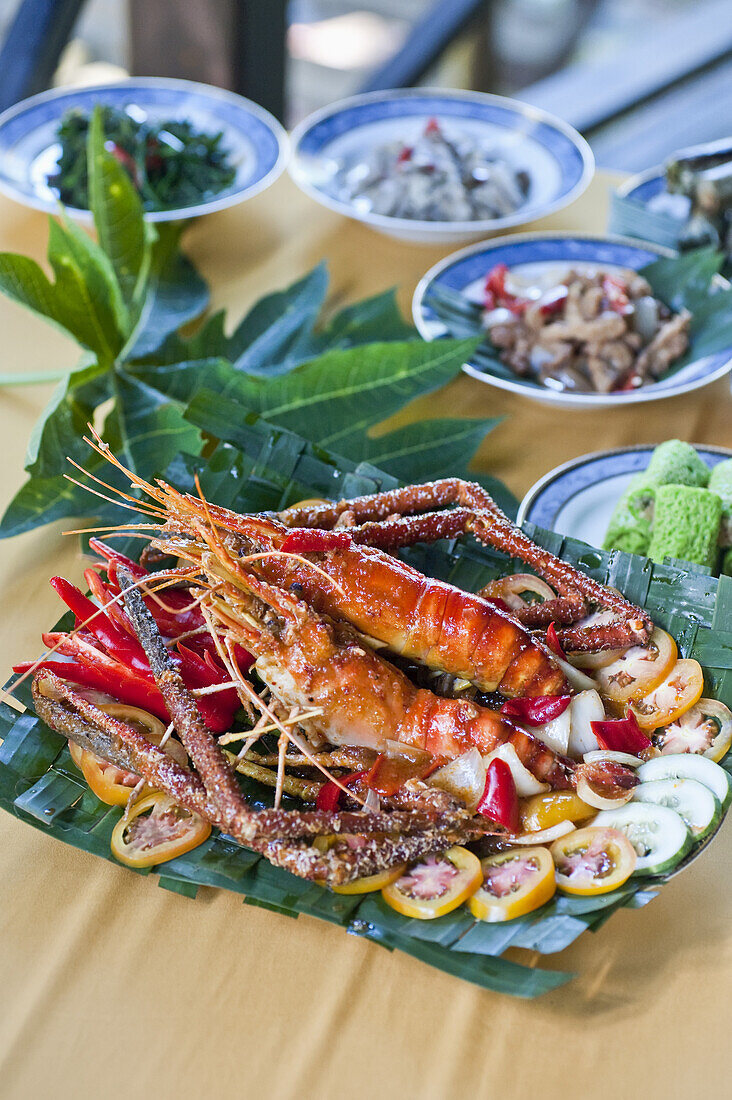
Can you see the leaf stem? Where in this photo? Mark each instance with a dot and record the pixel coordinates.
(22, 378)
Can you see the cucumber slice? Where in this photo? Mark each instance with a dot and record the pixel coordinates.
(687, 765)
(693, 802)
(658, 834)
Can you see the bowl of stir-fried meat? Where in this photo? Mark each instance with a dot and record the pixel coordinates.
(569, 321)
(435, 166)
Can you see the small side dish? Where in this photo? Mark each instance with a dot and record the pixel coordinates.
(172, 163)
(676, 508)
(599, 332)
(445, 175)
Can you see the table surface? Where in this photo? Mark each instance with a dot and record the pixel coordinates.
(111, 985)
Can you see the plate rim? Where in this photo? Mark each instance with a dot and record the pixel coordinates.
(210, 91)
(484, 225)
(549, 397)
(573, 463)
(625, 189)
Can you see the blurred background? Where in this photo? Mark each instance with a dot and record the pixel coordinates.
(639, 78)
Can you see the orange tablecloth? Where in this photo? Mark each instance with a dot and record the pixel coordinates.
(111, 987)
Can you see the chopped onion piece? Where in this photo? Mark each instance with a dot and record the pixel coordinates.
(463, 777)
(372, 805)
(577, 678)
(554, 733)
(589, 795)
(586, 707)
(397, 750)
(526, 783)
(544, 836)
(613, 757)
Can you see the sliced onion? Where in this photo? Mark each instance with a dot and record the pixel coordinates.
(589, 795)
(586, 707)
(509, 589)
(463, 777)
(526, 783)
(602, 755)
(555, 733)
(372, 805)
(577, 678)
(544, 836)
(398, 750)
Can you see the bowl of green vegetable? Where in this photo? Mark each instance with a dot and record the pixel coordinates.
(189, 148)
(668, 502)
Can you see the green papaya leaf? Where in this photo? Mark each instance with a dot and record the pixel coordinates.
(438, 446)
(340, 393)
(175, 294)
(118, 216)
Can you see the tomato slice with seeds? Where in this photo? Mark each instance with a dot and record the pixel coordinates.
(155, 831)
(435, 884)
(593, 860)
(706, 729)
(639, 670)
(113, 785)
(514, 883)
(678, 693)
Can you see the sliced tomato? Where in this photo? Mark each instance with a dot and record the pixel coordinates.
(544, 811)
(640, 669)
(109, 783)
(705, 729)
(680, 690)
(435, 884)
(514, 883)
(155, 831)
(371, 882)
(593, 860)
(76, 752)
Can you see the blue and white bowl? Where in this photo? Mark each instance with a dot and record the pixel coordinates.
(257, 145)
(548, 256)
(558, 161)
(579, 497)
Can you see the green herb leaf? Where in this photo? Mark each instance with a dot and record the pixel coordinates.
(341, 393)
(118, 217)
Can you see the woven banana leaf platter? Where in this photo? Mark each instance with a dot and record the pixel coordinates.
(256, 467)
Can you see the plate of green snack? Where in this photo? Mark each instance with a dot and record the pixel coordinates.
(671, 501)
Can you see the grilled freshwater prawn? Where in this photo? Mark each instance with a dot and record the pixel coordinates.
(301, 619)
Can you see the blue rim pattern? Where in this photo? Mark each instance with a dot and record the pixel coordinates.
(544, 508)
(254, 133)
(467, 268)
(646, 189)
(568, 157)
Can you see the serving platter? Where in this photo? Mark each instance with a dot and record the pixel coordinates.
(257, 144)
(546, 257)
(40, 785)
(558, 161)
(578, 497)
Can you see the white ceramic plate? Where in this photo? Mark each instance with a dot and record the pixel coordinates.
(257, 145)
(548, 256)
(558, 161)
(579, 497)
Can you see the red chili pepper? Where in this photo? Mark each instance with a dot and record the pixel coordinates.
(329, 795)
(552, 640)
(117, 643)
(120, 683)
(621, 734)
(499, 801)
(405, 155)
(112, 555)
(495, 285)
(311, 540)
(536, 709)
(616, 293)
(552, 301)
(105, 595)
(432, 127)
